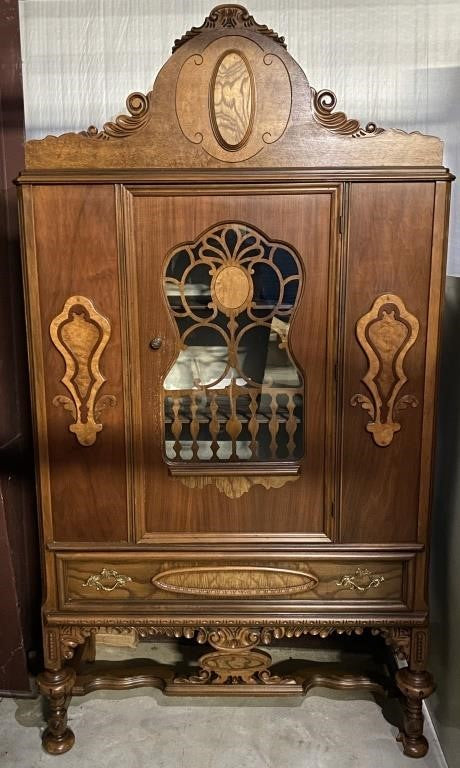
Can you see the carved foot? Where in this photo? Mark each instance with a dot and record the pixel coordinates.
(57, 688)
(415, 686)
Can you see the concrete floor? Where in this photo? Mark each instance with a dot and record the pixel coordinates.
(143, 728)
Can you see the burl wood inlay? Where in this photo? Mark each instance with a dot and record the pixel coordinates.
(232, 100)
(81, 334)
(232, 287)
(235, 581)
(237, 486)
(386, 333)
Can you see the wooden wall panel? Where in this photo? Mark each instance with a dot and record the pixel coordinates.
(76, 245)
(389, 251)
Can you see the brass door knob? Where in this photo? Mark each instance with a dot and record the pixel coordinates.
(156, 343)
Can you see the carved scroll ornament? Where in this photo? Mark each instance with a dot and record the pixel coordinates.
(324, 103)
(137, 105)
(81, 334)
(386, 333)
(231, 17)
(235, 660)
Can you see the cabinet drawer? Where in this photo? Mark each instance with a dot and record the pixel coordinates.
(145, 578)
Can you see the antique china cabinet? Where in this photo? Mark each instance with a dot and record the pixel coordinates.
(233, 299)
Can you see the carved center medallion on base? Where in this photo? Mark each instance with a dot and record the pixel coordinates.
(235, 667)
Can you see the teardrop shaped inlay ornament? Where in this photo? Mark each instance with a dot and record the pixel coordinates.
(232, 100)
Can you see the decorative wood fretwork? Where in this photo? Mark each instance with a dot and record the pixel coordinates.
(72, 635)
(386, 333)
(362, 580)
(234, 393)
(107, 580)
(230, 17)
(230, 636)
(234, 487)
(137, 105)
(323, 105)
(235, 581)
(235, 661)
(81, 334)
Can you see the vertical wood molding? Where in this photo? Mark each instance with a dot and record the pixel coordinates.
(135, 451)
(437, 283)
(126, 353)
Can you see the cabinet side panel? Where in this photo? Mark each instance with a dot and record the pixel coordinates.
(385, 324)
(76, 246)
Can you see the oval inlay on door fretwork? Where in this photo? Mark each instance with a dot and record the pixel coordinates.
(234, 581)
(232, 287)
(232, 100)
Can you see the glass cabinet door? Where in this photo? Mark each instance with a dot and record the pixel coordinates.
(234, 392)
(234, 291)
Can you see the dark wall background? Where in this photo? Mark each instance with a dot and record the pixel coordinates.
(444, 704)
(19, 563)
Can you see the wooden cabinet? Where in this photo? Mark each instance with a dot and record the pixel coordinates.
(233, 300)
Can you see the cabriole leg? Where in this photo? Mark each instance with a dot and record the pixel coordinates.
(57, 686)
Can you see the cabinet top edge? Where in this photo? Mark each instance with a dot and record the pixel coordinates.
(238, 175)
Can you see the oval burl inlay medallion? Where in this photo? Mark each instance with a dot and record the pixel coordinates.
(234, 581)
(232, 100)
(232, 287)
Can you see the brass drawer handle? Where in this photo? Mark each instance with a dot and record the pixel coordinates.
(117, 579)
(362, 580)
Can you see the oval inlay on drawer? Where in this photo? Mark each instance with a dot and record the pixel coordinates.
(235, 581)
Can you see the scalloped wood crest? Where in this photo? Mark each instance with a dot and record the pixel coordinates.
(229, 96)
(229, 17)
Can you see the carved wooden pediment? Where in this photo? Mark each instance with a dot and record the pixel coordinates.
(231, 95)
(229, 17)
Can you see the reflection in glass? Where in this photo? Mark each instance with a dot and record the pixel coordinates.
(234, 392)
